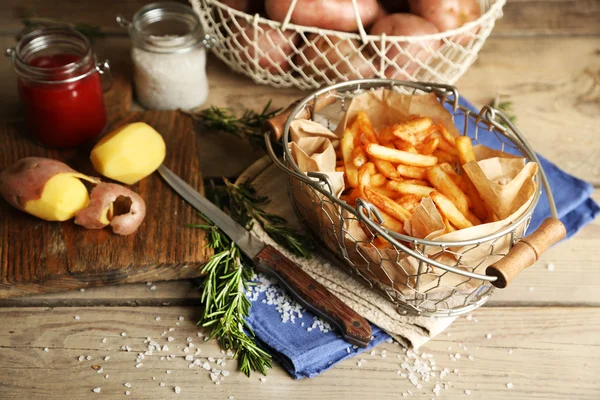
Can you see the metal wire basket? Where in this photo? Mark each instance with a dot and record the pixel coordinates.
(426, 277)
(283, 54)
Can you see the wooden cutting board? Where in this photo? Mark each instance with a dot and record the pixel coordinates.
(38, 256)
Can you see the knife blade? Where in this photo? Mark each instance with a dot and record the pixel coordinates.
(310, 293)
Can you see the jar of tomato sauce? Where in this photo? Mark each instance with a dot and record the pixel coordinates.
(60, 86)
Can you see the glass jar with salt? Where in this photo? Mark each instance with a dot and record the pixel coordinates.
(169, 56)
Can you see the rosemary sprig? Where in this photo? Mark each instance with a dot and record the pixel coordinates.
(247, 126)
(227, 275)
(30, 22)
(226, 306)
(505, 106)
(247, 206)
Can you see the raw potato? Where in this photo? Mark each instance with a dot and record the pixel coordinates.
(272, 48)
(406, 25)
(113, 205)
(45, 188)
(129, 153)
(326, 14)
(448, 14)
(340, 53)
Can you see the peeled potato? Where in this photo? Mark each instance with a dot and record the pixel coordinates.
(129, 153)
(45, 188)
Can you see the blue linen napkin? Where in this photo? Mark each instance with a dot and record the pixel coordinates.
(305, 352)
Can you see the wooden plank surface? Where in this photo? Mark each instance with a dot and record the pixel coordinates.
(521, 17)
(38, 256)
(549, 360)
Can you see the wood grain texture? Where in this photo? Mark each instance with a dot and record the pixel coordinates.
(39, 256)
(521, 17)
(354, 328)
(549, 359)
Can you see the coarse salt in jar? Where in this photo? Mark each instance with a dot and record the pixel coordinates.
(169, 56)
(60, 86)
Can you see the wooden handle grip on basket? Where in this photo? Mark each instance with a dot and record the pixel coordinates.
(275, 124)
(526, 251)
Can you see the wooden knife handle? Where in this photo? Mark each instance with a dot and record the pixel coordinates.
(276, 123)
(526, 251)
(314, 296)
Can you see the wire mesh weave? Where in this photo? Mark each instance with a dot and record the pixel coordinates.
(420, 276)
(283, 54)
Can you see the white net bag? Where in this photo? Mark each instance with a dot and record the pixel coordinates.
(283, 54)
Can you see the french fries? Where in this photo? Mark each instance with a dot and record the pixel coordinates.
(410, 188)
(387, 205)
(400, 165)
(347, 144)
(464, 147)
(446, 186)
(399, 156)
(449, 210)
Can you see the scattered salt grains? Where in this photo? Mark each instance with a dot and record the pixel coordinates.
(46, 349)
(189, 358)
(263, 379)
(153, 288)
(127, 392)
(206, 366)
(169, 372)
(348, 350)
(103, 340)
(471, 358)
(82, 290)
(149, 283)
(177, 389)
(509, 385)
(165, 348)
(139, 365)
(230, 398)
(127, 385)
(467, 392)
(77, 318)
(191, 345)
(531, 289)
(469, 317)
(81, 358)
(225, 373)
(489, 336)
(106, 358)
(171, 329)
(177, 323)
(88, 358)
(186, 350)
(123, 334)
(162, 384)
(181, 318)
(100, 370)
(550, 267)
(170, 339)
(157, 318)
(510, 351)
(97, 390)
(106, 376)
(372, 352)
(211, 359)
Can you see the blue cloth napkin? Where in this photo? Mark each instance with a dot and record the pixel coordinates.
(307, 352)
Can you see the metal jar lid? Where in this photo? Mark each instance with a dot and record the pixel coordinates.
(166, 27)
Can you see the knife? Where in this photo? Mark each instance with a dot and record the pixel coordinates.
(314, 296)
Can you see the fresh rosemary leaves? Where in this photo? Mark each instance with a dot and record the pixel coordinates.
(247, 126)
(227, 275)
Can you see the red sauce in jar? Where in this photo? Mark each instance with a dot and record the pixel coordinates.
(62, 114)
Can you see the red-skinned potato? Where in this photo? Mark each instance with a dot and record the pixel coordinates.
(114, 205)
(45, 188)
(406, 25)
(447, 14)
(247, 6)
(345, 59)
(274, 47)
(395, 6)
(326, 14)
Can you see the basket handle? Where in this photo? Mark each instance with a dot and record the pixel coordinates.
(276, 124)
(526, 251)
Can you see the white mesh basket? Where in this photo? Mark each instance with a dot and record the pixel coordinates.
(282, 54)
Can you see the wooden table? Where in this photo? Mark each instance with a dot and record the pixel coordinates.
(544, 56)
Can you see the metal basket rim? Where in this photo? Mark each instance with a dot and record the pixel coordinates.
(421, 86)
(491, 13)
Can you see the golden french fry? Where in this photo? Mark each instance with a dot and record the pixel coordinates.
(400, 156)
(424, 135)
(448, 209)
(409, 188)
(405, 146)
(442, 156)
(410, 171)
(392, 223)
(447, 147)
(351, 196)
(347, 144)
(386, 204)
(420, 182)
(464, 147)
(412, 128)
(386, 135)
(477, 204)
(381, 243)
(359, 157)
(365, 126)
(364, 179)
(386, 168)
(409, 202)
(448, 169)
(371, 168)
(382, 190)
(472, 218)
(339, 168)
(449, 227)
(446, 186)
(448, 137)
(378, 180)
(430, 145)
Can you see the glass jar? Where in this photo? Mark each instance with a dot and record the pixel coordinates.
(169, 56)
(60, 86)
